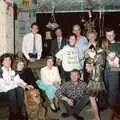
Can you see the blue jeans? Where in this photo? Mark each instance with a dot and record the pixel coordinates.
(79, 105)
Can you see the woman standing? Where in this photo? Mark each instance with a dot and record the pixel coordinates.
(95, 67)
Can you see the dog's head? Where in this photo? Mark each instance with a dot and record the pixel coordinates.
(33, 96)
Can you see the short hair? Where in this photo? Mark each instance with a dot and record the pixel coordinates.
(6, 55)
(70, 35)
(76, 70)
(92, 32)
(109, 29)
(58, 28)
(34, 24)
(76, 25)
(50, 57)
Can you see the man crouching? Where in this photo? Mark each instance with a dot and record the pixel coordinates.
(72, 95)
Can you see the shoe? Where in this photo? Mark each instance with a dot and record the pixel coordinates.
(78, 117)
(56, 103)
(65, 115)
(53, 108)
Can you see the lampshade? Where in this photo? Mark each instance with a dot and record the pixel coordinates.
(48, 35)
(52, 24)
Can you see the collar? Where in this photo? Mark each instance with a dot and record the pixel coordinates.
(5, 69)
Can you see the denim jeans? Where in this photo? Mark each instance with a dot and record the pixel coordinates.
(15, 100)
(79, 105)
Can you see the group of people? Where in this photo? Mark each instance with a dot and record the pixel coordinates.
(79, 70)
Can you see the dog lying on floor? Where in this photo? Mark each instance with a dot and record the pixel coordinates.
(34, 107)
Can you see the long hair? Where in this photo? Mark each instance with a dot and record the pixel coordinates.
(103, 44)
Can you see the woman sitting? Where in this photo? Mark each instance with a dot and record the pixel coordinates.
(24, 72)
(50, 81)
(13, 87)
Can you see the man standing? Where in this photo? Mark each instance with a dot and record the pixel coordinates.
(32, 44)
(80, 44)
(72, 95)
(112, 67)
(58, 42)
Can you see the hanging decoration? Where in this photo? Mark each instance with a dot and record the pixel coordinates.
(90, 24)
(101, 22)
(52, 24)
(26, 3)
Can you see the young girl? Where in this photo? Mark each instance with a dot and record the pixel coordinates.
(95, 68)
(24, 72)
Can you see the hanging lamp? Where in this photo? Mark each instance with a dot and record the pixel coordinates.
(52, 24)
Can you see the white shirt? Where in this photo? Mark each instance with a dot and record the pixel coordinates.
(27, 45)
(10, 81)
(69, 57)
(50, 76)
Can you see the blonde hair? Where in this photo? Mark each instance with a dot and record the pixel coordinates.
(91, 32)
(104, 44)
(18, 60)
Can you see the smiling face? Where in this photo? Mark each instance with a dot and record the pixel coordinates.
(20, 66)
(50, 63)
(58, 32)
(75, 76)
(34, 29)
(72, 40)
(76, 30)
(7, 62)
(91, 37)
(110, 36)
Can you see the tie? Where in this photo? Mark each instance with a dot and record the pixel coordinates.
(34, 45)
(59, 42)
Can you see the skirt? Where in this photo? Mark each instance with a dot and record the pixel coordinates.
(48, 88)
(94, 88)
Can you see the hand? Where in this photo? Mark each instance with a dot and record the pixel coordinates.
(70, 102)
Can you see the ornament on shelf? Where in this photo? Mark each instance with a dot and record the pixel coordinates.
(26, 3)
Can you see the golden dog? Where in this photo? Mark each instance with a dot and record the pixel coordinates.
(34, 107)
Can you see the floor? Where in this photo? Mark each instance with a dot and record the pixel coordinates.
(86, 113)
